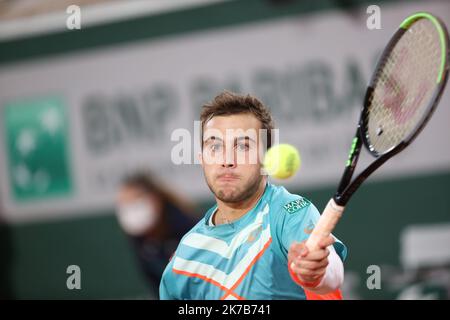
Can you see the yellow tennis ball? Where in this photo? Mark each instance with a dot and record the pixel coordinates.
(282, 161)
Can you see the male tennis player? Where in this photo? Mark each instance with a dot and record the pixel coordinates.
(251, 244)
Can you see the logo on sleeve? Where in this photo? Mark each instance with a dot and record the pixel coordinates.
(309, 229)
(296, 205)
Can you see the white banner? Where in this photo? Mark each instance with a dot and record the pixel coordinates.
(114, 109)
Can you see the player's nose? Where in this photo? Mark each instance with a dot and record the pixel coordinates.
(229, 160)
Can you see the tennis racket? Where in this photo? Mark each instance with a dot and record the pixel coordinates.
(403, 93)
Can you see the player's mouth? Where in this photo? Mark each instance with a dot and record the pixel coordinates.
(227, 178)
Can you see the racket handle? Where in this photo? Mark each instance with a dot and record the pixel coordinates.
(326, 224)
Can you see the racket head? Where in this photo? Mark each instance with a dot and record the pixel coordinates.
(406, 86)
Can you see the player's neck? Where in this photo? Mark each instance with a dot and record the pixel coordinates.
(233, 211)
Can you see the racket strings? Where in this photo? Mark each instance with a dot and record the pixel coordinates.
(403, 87)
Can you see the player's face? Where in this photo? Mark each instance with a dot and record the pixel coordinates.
(230, 157)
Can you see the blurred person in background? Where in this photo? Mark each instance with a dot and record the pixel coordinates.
(154, 219)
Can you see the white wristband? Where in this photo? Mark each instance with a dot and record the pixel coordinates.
(334, 274)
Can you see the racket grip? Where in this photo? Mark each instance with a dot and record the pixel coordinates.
(325, 225)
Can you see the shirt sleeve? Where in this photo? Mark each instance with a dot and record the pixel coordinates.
(296, 226)
(164, 286)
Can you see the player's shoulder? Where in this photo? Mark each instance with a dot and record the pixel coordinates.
(283, 200)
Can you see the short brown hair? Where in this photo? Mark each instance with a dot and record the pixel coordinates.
(229, 103)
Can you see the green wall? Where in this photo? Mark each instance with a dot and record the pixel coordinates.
(34, 259)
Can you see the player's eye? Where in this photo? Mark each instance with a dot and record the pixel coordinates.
(242, 146)
(215, 147)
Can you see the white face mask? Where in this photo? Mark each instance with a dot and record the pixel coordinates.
(137, 217)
